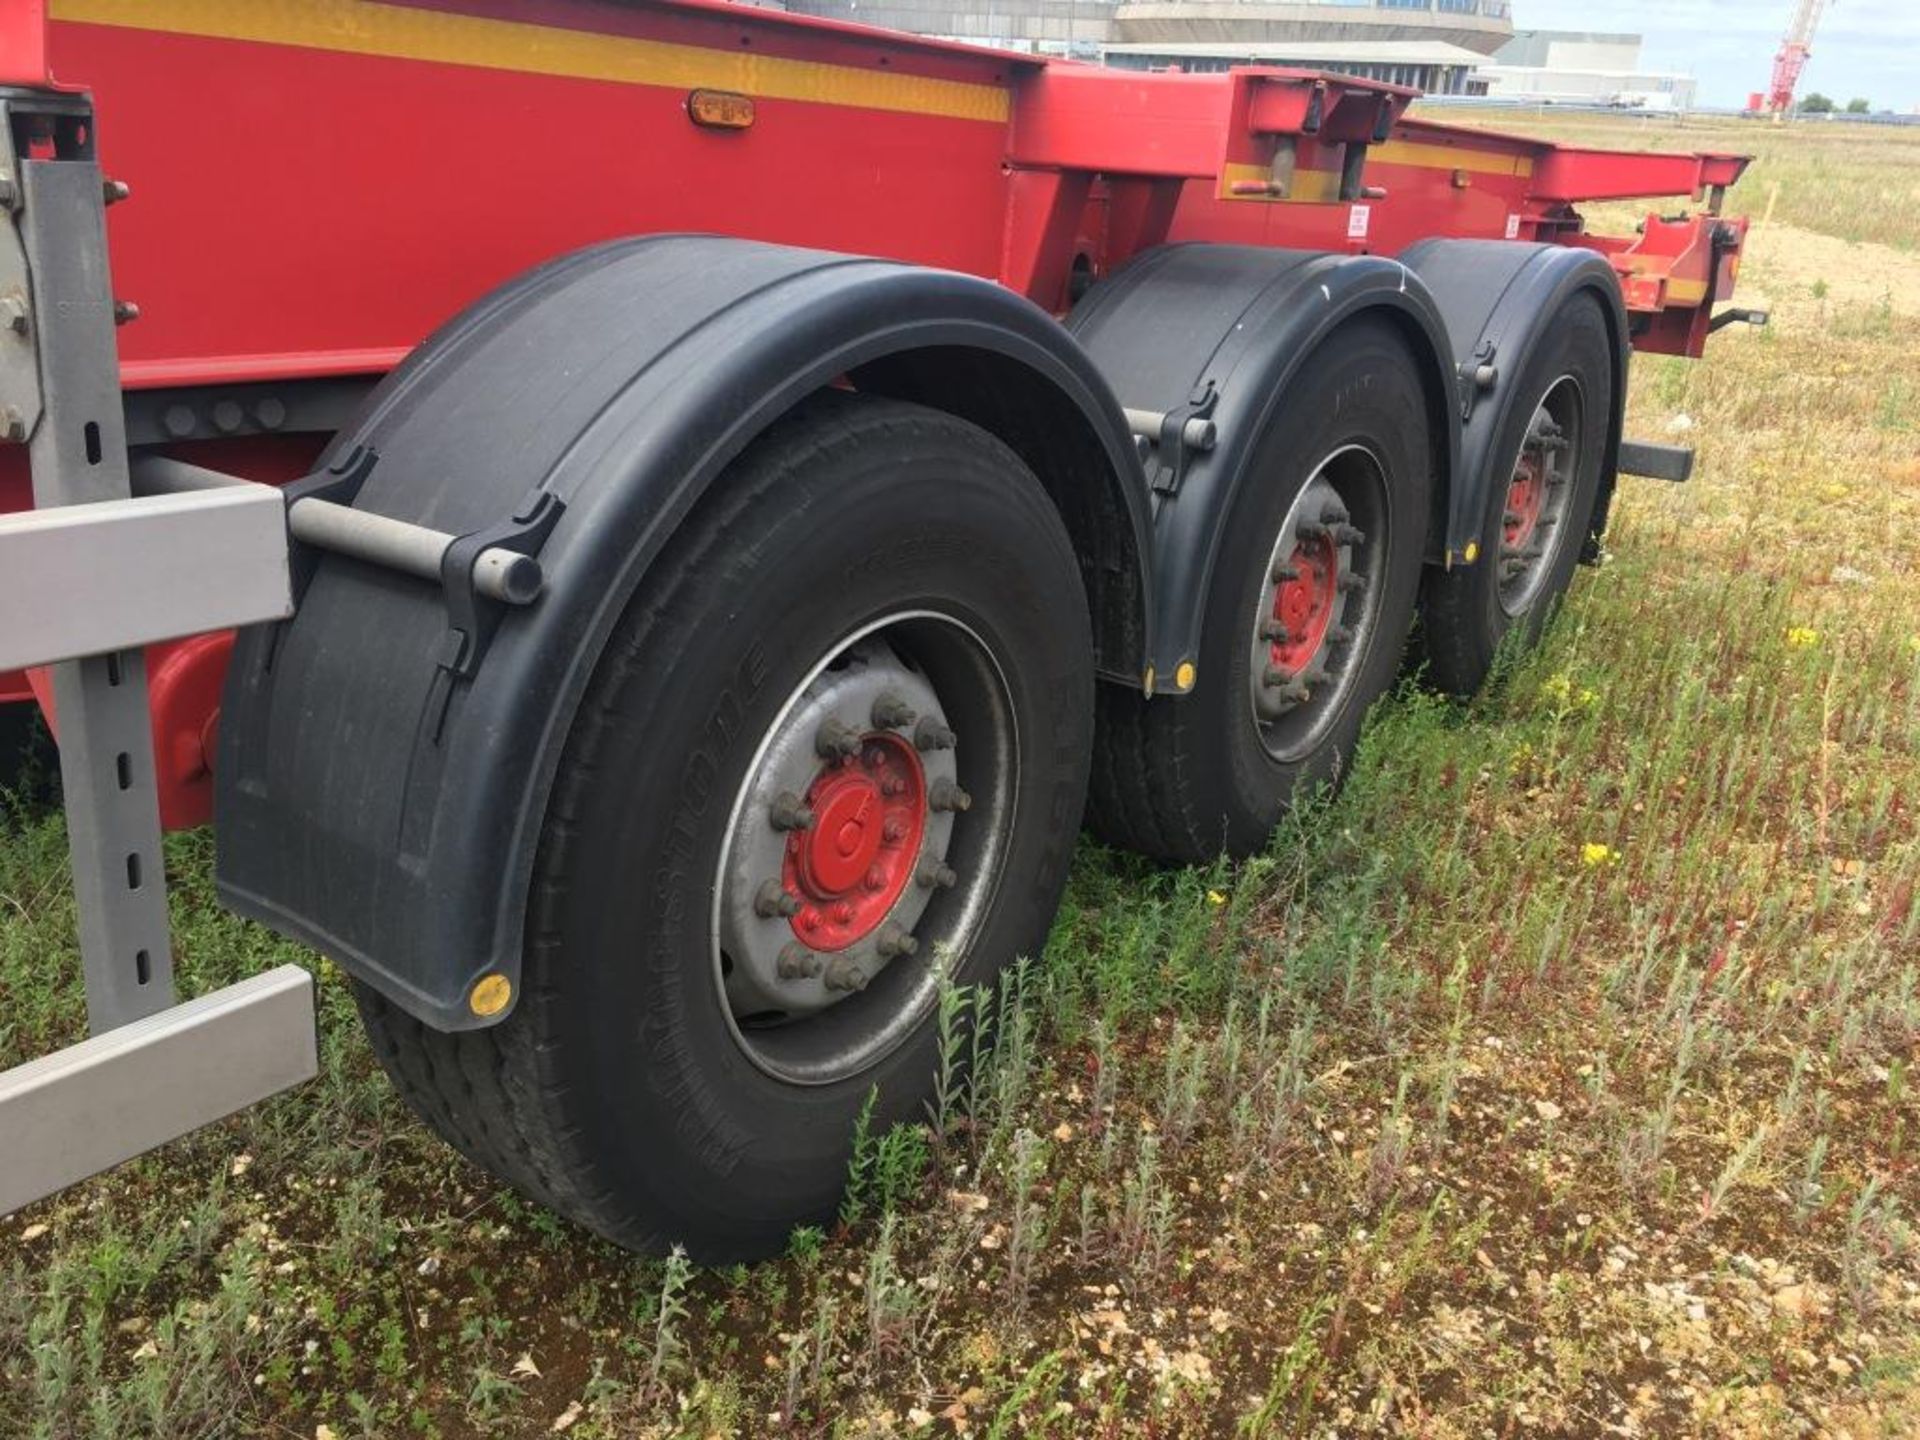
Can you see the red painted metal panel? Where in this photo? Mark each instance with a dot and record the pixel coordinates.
(317, 185)
(23, 53)
(327, 210)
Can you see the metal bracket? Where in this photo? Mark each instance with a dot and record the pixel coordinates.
(1477, 375)
(19, 355)
(1755, 318)
(1656, 461)
(473, 618)
(1177, 435)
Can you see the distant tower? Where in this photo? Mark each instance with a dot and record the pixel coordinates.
(1795, 47)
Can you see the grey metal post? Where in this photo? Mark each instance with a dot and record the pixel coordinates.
(79, 454)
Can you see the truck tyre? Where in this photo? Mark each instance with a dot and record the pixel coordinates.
(1306, 617)
(1537, 513)
(837, 744)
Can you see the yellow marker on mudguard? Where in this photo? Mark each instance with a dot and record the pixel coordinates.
(490, 995)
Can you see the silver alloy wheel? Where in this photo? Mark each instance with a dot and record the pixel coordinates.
(1315, 603)
(1540, 495)
(864, 847)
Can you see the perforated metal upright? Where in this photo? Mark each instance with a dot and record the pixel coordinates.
(79, 455)
(87, 577)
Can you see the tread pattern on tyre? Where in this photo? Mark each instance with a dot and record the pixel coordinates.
(1458, 652)
(494, 1093)
(1144, 795)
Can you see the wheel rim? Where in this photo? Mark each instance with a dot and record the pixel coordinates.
(864, 847)
(1539, 495)
(1314, 610)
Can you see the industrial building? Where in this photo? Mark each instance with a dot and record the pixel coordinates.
(1187, 33)
(1576, 67)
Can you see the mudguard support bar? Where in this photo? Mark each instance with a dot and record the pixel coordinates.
(498, 573)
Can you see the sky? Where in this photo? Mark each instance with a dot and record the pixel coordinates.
(1868, 48)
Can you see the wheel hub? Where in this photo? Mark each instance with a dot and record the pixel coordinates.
(1538, 494)
(1304, 602)
(1525, 496)
(839, 841)
(850, 869)
(1311, 605)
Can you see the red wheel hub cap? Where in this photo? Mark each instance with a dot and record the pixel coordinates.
(848, 869)
(1303, 603)
(1526, 496)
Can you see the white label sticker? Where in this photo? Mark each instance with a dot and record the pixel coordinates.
(1513, 227)
(1357, 219)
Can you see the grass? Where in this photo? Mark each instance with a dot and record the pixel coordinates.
(1557, 1076)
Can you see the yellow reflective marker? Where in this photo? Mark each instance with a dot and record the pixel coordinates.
(720, 109)
(1472, 552)
(490, 995)
(1183, 677)
(1146, 683)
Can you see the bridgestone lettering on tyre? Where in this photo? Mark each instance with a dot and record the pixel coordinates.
(837, 745)
(1306, 616)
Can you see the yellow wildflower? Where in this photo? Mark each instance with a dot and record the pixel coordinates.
(1216, 897)
(1594, 853)
(1800, 637)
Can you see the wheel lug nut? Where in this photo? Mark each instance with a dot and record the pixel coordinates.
(1290, 686)
(771, 901)
(1310, 530)
(1352, 583)
(809, 919)
(843, 974)
(932, 872)
(893, 832)
(835, 739)
(796, 962)
(891, 786)
(876, 879)
(890, 712)
(1284, 573)
(1274, 631)
(843, 913)
(790, 813)
(930, 734)
(1335, 515)
(1348, 535)
(893, 940)
(945, 795)
(1512, 517)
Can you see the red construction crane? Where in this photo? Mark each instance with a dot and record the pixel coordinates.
(1795, 47)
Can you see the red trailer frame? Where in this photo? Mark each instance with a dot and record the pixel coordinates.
(317, 185)
(291, 161)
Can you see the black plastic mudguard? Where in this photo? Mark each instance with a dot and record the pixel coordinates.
(381, 785)
(1236, 323)
(1497, 297)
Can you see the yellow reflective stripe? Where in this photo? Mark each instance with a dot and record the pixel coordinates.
(401, 33)
(1446, 157)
